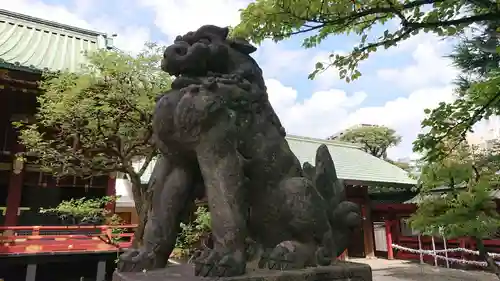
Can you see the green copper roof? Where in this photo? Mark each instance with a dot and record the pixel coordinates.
(29, 43)
(352, 163)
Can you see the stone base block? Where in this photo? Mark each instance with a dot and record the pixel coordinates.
(340, 271)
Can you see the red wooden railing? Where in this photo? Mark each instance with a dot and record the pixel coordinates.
(74, 239)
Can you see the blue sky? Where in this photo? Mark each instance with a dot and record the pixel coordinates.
(396, 85)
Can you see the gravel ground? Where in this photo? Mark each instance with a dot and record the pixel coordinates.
(397, 270)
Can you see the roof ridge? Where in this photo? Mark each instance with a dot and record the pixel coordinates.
(20, 16)
(325, 141)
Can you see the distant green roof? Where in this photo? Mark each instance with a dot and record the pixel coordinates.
(353, 164)
(29, 43)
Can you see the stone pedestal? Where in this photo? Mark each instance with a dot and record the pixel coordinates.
(341, 271)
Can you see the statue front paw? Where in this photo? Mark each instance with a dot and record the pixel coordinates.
(212, 263)
(348, 214)
(346, 218)
(288, 255)
(135, 260)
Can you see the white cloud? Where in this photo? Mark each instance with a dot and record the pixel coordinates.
(277, 61)
(430, 66)
(327, 112)
(130, 37)
(316, 116)
(175, 17)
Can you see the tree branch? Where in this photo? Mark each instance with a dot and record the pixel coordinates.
(403, 19)
(326, 19)
(468, 122)
(146, 163)
(477, 175)
(130, 152)
(339, 19)
(464, 20)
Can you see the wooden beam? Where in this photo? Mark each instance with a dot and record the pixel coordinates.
(394, 207)
(368, 232)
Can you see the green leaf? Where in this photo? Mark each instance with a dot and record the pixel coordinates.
(100, 118)
(318, 20)
(375, 139)
(192, 232)
(451, 30)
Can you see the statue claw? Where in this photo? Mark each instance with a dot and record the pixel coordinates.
(214, 264)
(135, 260)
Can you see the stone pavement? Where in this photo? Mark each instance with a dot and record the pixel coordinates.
(398, 270)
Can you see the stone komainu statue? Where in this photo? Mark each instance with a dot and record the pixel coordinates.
(219, 137)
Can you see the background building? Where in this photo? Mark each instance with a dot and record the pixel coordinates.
(29, 46)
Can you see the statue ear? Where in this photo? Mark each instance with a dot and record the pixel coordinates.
(224, 32)
(213, 31)
(242, 45)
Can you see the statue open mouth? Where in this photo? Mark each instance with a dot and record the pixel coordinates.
(182, 81)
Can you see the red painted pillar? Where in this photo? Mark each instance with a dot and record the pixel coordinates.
(15, 189)
(463, 245)
(111, 191)
(388, 238)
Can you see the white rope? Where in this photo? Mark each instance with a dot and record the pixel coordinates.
(435, 255)
(174, 262)
(450, 250)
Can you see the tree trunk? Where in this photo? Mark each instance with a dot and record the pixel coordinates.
(483, 254)
(142, 201)
(143, 218)
(143, 198)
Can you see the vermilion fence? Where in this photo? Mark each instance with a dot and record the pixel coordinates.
(50, 239)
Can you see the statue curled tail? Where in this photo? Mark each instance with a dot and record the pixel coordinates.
(343, 215)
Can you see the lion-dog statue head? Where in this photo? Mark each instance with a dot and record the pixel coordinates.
(214, 75)
(208, 51)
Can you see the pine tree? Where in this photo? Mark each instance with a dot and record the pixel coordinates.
(476, 57)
